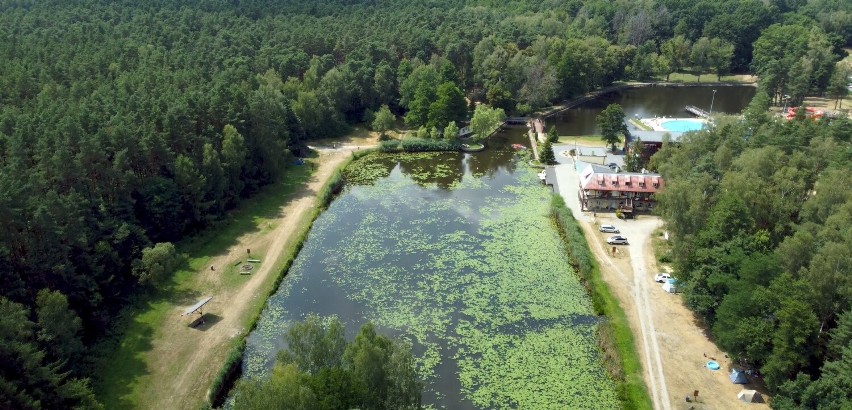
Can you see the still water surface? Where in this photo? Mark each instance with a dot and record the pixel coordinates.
(653, 101)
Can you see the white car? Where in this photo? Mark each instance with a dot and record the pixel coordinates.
(662, 277)
(609, 229)
(617, 240)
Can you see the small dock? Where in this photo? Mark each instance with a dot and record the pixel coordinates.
(517, 120)
(698, 112)
(550, 178)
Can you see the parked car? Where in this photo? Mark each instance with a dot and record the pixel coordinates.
(617, 240)
(662, 277)
(609, 229)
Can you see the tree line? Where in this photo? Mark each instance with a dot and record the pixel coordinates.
(126, 126)
(319, 369)
(760, 235)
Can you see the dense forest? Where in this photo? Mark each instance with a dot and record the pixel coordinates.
(125, 126)
(761, 225)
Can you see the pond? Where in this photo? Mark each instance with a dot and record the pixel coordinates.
(457, 254)
(649, 102)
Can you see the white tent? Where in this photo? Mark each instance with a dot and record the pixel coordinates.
(750, 396)
(670, 286)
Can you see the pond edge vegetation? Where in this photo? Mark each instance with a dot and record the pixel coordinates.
(615, 339)
(412, 144)
(231, 369)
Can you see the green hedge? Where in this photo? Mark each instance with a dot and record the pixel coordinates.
(229, 373)
(418, 145)
(614, 336)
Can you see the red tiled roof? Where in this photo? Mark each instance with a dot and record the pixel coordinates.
(607, 182)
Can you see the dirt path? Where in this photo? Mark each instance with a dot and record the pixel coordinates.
(183, 361)
(672, 346)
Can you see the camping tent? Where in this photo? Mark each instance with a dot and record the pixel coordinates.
(750, 396)
(670, 286)
(738, 377)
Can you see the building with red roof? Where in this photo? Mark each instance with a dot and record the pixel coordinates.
(602, 189)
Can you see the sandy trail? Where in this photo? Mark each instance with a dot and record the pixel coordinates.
(183, 361)
(671, 344)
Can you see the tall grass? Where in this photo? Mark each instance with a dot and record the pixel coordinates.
(419, 145)
(615, 339)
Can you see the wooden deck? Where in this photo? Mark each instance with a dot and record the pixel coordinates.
(698, 112)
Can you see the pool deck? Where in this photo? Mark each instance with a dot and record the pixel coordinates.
(656, 123)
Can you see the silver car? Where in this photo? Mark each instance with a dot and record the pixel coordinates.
(617, 240)
(609, 229)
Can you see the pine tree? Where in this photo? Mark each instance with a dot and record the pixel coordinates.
(546, 155)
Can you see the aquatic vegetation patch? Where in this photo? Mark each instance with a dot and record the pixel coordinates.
(475, 276)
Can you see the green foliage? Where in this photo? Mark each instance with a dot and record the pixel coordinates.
(759, 237)
(227, 376)
(157, 263)
(485, 121)
(30, 379)
(757, 112)
(552, 135)
(636, 159)
(449, 106)
(701, 56)
(614, 336)
(321, 370)
(60, 329)
(611, 123)
(451, 132)
(838, 84)
(792, 59)
(384, 120)
(419, 145)
(423, 133)
(546, 156)
(139, 142)
(720, 57)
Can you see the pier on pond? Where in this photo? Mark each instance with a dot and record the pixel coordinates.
(698, 112)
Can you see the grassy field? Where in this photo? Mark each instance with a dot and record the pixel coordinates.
(584, 140)
(687, 77)
(122, 355)
(638, 124)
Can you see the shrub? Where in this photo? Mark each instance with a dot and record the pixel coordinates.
(419, 145)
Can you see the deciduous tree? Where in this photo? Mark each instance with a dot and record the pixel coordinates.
(612, 126)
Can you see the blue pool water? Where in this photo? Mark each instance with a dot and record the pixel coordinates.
(682, 125)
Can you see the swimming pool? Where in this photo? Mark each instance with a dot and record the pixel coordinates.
(682, 125)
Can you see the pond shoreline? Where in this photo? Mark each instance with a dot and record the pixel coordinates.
(574, 102)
